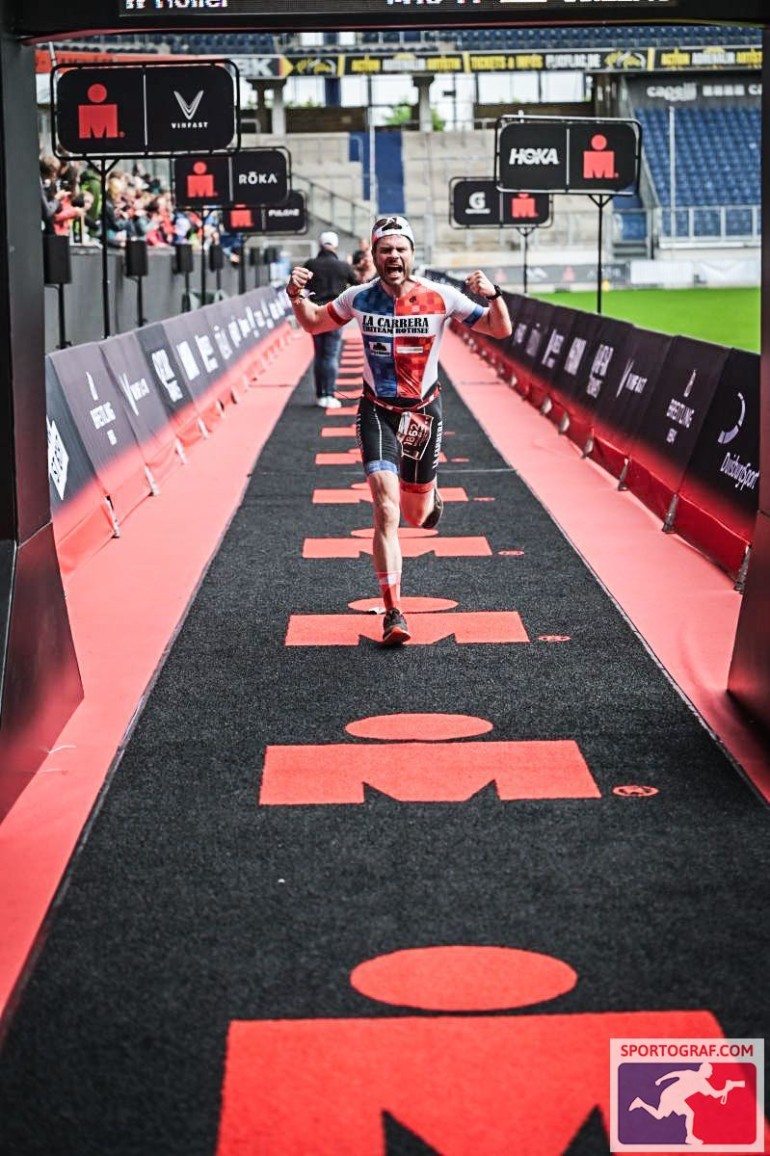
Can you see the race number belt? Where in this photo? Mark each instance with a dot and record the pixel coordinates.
(403, 408)
(413, 432)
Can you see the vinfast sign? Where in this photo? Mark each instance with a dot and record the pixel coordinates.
(115, 111)
(582, 155)
(42, 19)
(477, 204)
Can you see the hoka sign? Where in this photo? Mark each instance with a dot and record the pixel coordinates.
(543, 154)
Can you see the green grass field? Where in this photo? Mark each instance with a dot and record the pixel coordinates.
(724, 316)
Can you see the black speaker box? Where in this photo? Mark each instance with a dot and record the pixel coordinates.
(57, 265)
(183, 258)
(136, 257)
(216, 258)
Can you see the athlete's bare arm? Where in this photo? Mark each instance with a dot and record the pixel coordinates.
(497, 322)
(312, 318)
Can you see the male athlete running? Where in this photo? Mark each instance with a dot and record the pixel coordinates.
(402, 318)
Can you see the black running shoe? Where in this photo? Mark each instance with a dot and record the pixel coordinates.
(434, 517)
(394, 628)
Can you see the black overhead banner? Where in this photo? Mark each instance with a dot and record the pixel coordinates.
(119, 110)
(532, 155)
(260, 177)
(253, 179)
(474, 204)
(722, 476)
(242, 219)
(544, 154)
(99, 414)
(526, 209)
(478, 204)
(200, 182)
(672, 421)
(626, 396)
(288, 218)
(603, 156)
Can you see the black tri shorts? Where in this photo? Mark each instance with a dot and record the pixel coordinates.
(407, 442)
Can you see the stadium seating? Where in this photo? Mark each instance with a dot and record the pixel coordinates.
(719, 185)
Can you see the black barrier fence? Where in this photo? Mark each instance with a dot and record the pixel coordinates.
(121, 411)
(78, 301)
(674, 419)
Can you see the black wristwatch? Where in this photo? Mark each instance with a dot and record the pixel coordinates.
(497, 293)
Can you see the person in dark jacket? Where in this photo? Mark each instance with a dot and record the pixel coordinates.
(330, 277)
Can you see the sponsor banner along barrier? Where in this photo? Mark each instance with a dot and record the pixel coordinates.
(522, 318)
(202, 365)
(127, 366)
(82, 518)
(171, 383)
(625, 398)
(550, 358)
(120, 411)
(593, 353)
(96, 403)
(532, 344)
(668, 431)
(676, 420)
(717, 501)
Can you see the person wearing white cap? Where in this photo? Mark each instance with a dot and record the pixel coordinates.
(331, 276)
(399, 424)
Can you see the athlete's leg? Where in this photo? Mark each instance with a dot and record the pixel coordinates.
(417, 501)
(420, 500)
(380, 452)
(386, 548)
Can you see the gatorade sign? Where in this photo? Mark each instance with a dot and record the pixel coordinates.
(476, 204)
(567, 156)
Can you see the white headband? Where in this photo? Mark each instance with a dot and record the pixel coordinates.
(398, 225)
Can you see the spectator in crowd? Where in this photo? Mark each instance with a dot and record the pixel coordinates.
(364, 266)
(330, 276)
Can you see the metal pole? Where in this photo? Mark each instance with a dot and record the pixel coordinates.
(525, 235)
(63, 343)
(203, 257)
(105, 264)
(601, 202)
(372, 148)
(672, 170)
(242, 264)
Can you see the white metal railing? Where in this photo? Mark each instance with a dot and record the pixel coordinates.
(707, 225)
